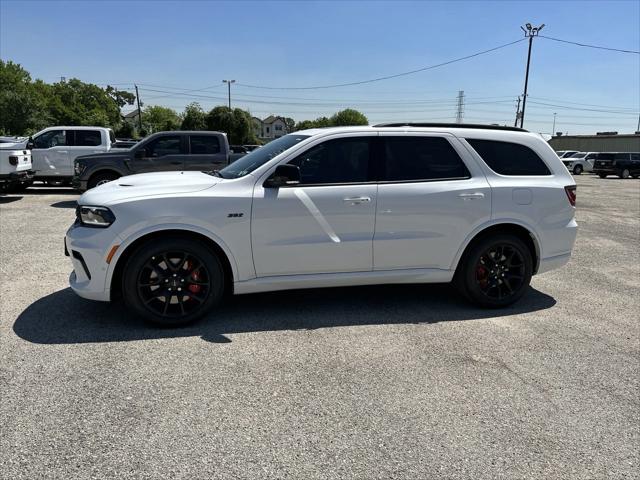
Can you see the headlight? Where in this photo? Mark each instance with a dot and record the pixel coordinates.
(94, 216)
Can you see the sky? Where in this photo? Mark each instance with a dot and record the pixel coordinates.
(179, 52)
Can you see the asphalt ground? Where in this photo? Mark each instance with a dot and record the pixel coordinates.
(406, 382)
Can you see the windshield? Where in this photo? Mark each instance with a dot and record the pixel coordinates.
(260, 156)
(578, 155)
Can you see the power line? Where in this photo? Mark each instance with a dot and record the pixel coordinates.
(591, 46)
(387, 77)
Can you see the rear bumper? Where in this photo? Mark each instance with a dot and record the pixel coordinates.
(551, 263)
(20, 176)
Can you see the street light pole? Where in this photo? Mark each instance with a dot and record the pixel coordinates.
(229, 82)
(530, 32)
(553, 130)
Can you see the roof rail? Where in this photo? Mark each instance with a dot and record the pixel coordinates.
(452, 125)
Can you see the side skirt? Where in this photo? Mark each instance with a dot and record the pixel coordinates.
(320, 280)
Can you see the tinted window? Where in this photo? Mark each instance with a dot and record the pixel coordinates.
(421, 158)
(508, 158)
(578, 155)
(605, 156)
(260, 156)
(88, 138)
(621, 156)
(343, 160)
(53, 138)
(635, 157)
(204, 145)
(169, 145)
(591, 156)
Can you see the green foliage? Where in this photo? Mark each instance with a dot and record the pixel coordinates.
(157, 119)
(125, 130)
(348, 117)
(291, 124)
(235, 123)
(194, 118)
(27, 106)
(340, 119)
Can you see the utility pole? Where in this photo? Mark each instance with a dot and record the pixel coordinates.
(139, 110)
(553, 130)
(460, 107)
(517, 113)
(530, 32)
(229, 82)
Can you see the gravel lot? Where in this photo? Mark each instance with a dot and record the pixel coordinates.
(404, 382)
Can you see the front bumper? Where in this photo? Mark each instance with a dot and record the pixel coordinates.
(78, 184)
(88, 248)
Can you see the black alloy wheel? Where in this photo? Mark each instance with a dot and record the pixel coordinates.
(496, 271)
(173, 281)
(625, 173)
(577, 170)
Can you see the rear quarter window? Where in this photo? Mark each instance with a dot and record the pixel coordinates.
(508, 158)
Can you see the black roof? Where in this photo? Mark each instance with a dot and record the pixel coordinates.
(452, 125)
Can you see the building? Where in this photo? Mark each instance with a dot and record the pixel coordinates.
(605, 142)
(132, 117)
(271, 127)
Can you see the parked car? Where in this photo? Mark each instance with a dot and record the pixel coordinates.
(163, 151)
(580, 162)
(566, 153)
(15, 164)
(54, 149)
(485, 207)
(624, 165)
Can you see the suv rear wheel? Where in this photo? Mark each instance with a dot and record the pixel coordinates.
(577, 170)
(496, 271)
(625, 173)
(172, 281)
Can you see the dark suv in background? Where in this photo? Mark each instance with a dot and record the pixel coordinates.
(624, 165)
(162, 151)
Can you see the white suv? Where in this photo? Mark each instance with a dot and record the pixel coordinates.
(485, 207)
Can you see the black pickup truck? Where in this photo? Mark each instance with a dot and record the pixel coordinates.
(624, 165)
(162, 151)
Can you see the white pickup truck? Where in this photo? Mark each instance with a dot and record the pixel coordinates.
(15, 164)
(54, 149)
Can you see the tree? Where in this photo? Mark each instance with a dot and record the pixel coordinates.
(125, 130)
(157, 119)
(348, 117)
(194, 118)
(121, 97)
(291, 124)
(22, 106)
(235, 123)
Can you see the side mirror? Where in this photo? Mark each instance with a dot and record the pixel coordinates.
(30, 144)
(140, 153)
(284, 175)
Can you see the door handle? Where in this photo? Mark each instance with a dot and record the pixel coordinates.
(471, 196)
(357, 200)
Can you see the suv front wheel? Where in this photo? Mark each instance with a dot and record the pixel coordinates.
(496, 271)
(172, 281)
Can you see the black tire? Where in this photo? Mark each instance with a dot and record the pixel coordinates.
(624, 173)
(602, 175)
(475, 277)
(577, 170)
(101, 178)
(172, 281)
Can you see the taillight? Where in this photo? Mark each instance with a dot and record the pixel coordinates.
(571, 194)
(13, 160)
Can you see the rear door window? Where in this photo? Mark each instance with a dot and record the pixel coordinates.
(421, 159)
(204, 145)
(621, 156)
(508, 158)
(88, 138)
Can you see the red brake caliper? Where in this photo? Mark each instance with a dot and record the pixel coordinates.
(481, 276)
(195, 276)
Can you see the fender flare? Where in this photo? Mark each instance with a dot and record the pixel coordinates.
(493, 223)
(126, 243)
